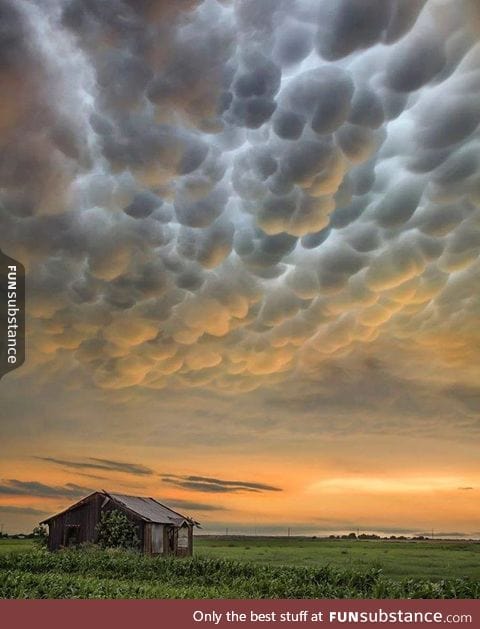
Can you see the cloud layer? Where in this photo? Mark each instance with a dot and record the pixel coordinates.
(14, 487)
(93, 463)
(220, 194)
(216, 485)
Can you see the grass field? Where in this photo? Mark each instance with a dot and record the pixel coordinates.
(248, 568)
(397, 559)
(15, 546)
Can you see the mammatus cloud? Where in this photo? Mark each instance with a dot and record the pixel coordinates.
(13, 487)
(93, 463)
(220, 194)
(216, 485)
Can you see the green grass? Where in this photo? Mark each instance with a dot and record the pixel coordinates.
(15, 545)
(104, 574)
(397, 559)
(248, 568)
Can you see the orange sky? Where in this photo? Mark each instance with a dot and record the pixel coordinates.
(329, 482)
(251, 234)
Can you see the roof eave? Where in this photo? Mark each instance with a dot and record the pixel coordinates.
(75, 504)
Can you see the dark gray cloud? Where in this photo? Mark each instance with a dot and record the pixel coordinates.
(208, 195)
(216, 485)
(450, 534)
(93, 463)
(19, 511)
(467, 396)
(13, 487)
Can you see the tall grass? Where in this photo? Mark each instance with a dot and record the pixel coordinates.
(104, 574)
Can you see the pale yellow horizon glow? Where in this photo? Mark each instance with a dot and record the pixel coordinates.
(393, 485)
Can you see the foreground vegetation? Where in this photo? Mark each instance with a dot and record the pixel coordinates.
(120, 574)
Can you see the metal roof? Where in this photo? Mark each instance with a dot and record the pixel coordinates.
(150, 509)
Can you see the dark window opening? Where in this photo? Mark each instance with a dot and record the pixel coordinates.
(172, 534)
(72, 535)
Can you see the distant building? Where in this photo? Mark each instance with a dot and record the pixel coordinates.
(161, 530)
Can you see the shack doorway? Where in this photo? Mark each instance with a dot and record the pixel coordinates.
(157, 539)
(172, 540)
(72, 535)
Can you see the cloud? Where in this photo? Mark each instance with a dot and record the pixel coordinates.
(93, 463)
(449, 534)
(193, 506)
(216, 485)
(13, 487)
(469, 397)
(225, 196)
(12, 510)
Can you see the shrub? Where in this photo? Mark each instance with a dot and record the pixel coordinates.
(40, 535)
(116, 531)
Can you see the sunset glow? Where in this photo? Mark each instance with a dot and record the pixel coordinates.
(251, 233)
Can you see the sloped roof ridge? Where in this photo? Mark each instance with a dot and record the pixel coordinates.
(151, 510)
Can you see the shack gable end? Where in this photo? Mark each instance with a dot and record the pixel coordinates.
(76, 525)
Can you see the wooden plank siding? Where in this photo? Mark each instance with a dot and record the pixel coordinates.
(154, 539)
(85, 516)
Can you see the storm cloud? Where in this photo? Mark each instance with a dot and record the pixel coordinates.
(223, 194)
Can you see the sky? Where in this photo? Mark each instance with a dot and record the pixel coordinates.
(251, 234)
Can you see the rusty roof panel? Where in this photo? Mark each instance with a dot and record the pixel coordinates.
(149, 509)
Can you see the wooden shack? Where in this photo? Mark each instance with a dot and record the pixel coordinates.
(161, 530)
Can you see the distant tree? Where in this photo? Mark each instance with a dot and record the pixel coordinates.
(40, 535)
(352, 536)
(116, 531)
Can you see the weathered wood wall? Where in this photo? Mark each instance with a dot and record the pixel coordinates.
(85, 516)
(154, 539)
